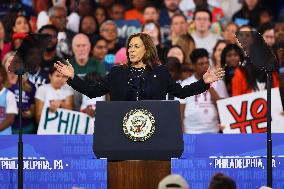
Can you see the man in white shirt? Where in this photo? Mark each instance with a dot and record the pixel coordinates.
(202, 36)
(199, 112)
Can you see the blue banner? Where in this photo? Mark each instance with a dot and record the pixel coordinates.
(68, 161)
(52, 162)
(240, 156)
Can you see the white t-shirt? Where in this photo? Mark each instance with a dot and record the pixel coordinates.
(220, 88)
(200, 114)
(46, 93)
(73, 21)
(11, 102)
(86, 101)
(207, 42)
(11, 108)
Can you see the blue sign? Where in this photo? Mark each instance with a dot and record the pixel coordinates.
(52, 162)
(125, 28)
(240, 156)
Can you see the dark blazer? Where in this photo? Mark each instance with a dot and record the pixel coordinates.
(116, 83)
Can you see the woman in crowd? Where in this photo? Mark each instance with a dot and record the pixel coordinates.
(99, 51)
(220, 86)
(153, 29)
(28, 104)
(100, 14)
(231, 58)
(217, 51)
(176, 51)
(21, 25)
(4, 47)
(187, 44)
(229, 32)
(243, 79)
(142, 78)
(8, 105)
(250, 13)
(88, 26)
(54, 95)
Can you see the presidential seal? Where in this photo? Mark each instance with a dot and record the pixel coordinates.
(138, 125)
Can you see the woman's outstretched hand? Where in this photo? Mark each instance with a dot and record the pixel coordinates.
(65, 69)
(213, 75)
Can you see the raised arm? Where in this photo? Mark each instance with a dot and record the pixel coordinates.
(197, 87)
(92, 91)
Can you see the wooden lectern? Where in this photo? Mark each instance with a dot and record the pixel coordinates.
(135, 161)
(136, 174)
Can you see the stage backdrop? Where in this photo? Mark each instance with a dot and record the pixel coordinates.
(247, 113)
(68, 162)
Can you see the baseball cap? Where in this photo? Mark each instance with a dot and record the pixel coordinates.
(173, 181)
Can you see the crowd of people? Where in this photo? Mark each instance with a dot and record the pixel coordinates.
(218, 181)
(190, 36)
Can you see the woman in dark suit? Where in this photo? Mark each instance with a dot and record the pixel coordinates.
(142, 78)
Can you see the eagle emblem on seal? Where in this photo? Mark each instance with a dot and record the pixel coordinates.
(139, 124)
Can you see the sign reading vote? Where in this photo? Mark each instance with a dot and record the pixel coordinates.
(65, 122)
(126, 28)
(247, 113)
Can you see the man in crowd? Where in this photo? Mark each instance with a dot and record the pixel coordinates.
(268, 33)
(49, 56)
(202, 36)
(58, 18)
(83, 63)
(171, 8)
(195, 108)
(179, 27)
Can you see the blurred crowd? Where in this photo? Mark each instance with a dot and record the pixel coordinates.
(190, 36)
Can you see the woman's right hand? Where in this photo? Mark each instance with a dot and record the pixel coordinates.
(65, 69)
(54, 105)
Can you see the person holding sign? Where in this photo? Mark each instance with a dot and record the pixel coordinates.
(54, 95)
(142, 78)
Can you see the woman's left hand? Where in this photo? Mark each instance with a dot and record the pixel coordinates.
(213, 75)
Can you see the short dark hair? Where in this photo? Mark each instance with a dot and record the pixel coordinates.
(198, 53)
(178, 15)
(202, 9)
(48, 27)
(265, 27)
(93, 78)
(219, 180)
(151, 5)
(95, 40)
(52, 70)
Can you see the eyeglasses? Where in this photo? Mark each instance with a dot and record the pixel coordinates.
(59, 17)
(201, 19)
(109, 30)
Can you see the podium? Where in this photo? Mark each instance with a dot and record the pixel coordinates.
(138, 138)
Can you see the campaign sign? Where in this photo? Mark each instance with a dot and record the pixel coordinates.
(247, 113)
(65, 122)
